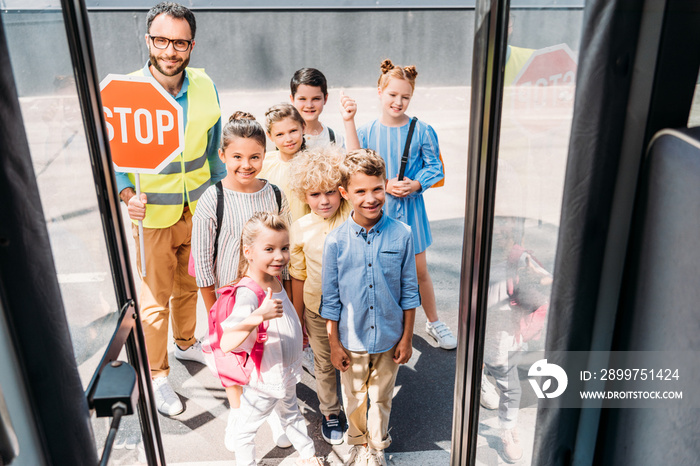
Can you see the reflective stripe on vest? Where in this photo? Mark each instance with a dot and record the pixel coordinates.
(188, 174)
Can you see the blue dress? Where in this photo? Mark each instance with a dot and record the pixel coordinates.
(423, 165)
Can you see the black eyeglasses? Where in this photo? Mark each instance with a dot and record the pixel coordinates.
(180, 45)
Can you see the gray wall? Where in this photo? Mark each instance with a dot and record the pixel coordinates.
(253, 50)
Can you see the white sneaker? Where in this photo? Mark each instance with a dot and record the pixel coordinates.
(512, 451)
(376, 458)
(442, 334)
(489, 395)
(278, 435)
(193, 353)
(307, 361)
(167, 401)
(359, 454)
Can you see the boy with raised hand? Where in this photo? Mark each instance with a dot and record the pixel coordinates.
(370, 295)
(309, 94)
(314, 178)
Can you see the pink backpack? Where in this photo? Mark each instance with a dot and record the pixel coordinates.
(234, 368)
(526, 292)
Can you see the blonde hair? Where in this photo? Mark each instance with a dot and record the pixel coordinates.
(389, 70)
(365, 161)
(316, 170)
(252, 228)
(281, 111)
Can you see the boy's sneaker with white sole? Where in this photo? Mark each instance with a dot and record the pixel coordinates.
(442, 334)
(376, 458)
(359, 455)
(332, 429)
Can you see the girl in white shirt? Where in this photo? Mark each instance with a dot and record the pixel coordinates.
(264, 254)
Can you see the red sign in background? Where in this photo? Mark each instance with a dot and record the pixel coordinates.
(543, 91)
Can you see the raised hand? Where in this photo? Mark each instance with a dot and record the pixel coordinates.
(270, 308)
(348, 107)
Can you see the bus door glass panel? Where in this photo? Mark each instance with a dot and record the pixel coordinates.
(41, 64)
(539, 85)
(441, 99)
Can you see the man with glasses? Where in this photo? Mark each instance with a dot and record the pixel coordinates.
(168, 199)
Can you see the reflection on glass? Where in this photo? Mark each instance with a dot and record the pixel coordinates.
(536, 118)
(694, 117)
(54, 128)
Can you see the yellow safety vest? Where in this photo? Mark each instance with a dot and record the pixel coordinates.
(188, 175)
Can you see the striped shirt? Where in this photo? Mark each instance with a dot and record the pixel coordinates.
(238, 208)
(423, 165)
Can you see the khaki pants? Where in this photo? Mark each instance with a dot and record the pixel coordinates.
(167, 290)
(326, 385)
(370, 376)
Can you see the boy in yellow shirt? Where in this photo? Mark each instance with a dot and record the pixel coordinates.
(315, 179)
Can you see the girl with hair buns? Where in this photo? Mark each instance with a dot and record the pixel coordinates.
(242, 151)
(387, 136)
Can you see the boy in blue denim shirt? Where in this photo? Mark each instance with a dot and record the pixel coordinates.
(370, 295)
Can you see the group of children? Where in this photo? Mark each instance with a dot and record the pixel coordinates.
(344, 236)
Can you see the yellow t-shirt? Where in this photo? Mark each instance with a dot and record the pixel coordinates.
(276, 171)
(307, 237)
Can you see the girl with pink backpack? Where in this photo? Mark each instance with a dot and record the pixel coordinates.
(262, 333)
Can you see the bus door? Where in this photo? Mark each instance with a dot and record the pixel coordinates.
(73, 354)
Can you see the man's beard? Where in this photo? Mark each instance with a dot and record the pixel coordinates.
(178, 70)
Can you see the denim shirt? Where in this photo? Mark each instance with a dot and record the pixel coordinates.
(369, 279)
(216, 166)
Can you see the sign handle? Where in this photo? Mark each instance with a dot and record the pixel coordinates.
(141, 246)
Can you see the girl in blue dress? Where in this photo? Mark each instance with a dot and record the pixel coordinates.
(387, 136)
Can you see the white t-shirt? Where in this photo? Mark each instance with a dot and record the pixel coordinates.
(281, 362)
(323, 139)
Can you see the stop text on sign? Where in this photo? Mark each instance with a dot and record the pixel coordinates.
(144, 123)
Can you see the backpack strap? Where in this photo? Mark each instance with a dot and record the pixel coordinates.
(256, 353)
(406, 148)
(331, 133)
(278, 198)
(219, 217)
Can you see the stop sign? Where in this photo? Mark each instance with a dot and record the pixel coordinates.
(543, 90)
(144, 123)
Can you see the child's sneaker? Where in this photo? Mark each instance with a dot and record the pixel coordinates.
(489, 396)
(332, 430)
(278, 435)
(359, 454)
(442, 334)
(307, 361)
(512, 451)
(376, 458)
